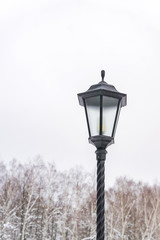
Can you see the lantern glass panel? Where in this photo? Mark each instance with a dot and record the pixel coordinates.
(93, 114)
(110, 108)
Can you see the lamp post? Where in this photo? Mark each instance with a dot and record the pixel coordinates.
(102, 103)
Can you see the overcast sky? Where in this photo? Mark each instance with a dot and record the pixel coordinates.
(52, 50)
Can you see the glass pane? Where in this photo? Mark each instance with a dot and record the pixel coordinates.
(93, 112)
(109, 114)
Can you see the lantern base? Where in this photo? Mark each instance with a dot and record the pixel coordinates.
(101, 142)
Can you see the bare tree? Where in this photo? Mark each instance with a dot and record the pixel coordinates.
(150, 210)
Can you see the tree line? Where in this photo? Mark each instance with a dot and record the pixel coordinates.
(38, 202)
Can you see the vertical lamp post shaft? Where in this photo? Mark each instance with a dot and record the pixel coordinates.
(101, 156)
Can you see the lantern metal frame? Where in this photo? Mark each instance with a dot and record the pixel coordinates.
(102, 89)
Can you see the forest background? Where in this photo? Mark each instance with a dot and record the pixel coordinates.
(37, 202)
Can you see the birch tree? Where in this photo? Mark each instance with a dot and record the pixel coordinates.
(150, 210)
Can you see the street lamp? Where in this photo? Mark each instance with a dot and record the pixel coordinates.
(102, 103)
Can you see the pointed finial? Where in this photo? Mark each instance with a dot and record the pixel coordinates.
(102, 74)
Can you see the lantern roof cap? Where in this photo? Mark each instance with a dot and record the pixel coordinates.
(102, 88)
(103, 85)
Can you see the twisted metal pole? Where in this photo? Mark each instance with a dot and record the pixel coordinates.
(101, 156)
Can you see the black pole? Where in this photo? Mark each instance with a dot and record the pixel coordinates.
(101, 156)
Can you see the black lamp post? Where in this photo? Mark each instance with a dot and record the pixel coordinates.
(102, 103)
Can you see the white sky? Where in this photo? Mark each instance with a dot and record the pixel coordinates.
(52, 50)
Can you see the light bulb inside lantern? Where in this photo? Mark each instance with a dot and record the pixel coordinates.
(103, 126)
